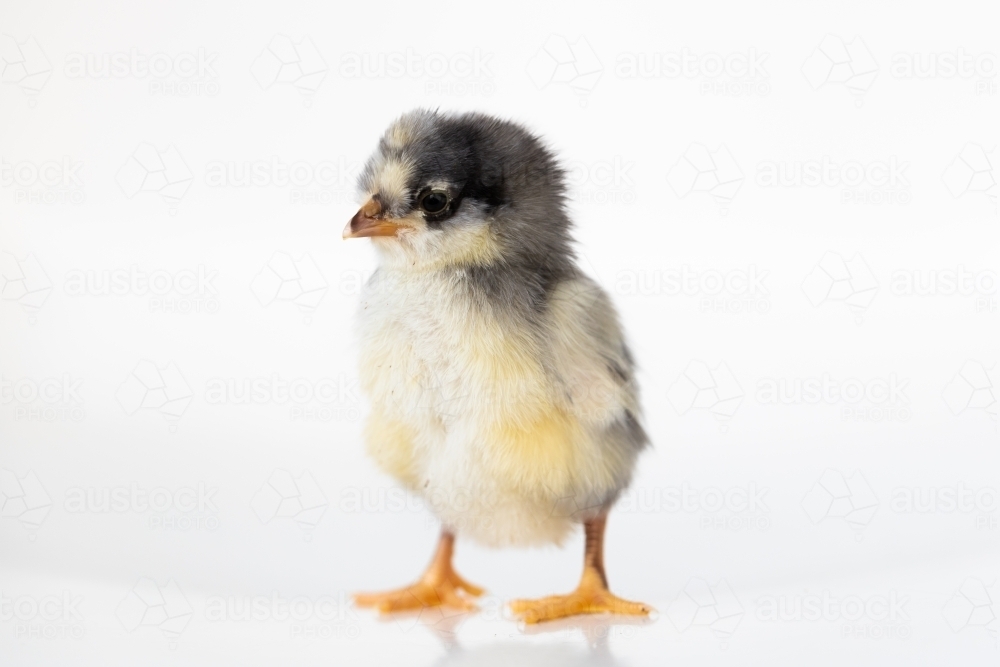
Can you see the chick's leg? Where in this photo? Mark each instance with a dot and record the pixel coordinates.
(439, 586)
(591, 595)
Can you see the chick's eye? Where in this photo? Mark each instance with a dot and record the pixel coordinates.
(434, 201)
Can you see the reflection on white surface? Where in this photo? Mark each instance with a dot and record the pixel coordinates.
(925, 620)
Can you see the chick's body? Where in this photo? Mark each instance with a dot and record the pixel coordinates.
(501, 387)
(512, 428)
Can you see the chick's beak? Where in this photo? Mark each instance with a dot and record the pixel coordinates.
(368, 222)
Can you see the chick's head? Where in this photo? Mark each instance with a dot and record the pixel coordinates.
(445, 190)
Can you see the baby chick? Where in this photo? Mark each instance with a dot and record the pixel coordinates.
(502, 389)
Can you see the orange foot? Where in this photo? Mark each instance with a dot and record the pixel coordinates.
(590, 597)
(440, 586)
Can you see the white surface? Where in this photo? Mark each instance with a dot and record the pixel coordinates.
(656, 164)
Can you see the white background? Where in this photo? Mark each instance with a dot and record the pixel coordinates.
(714, 573)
